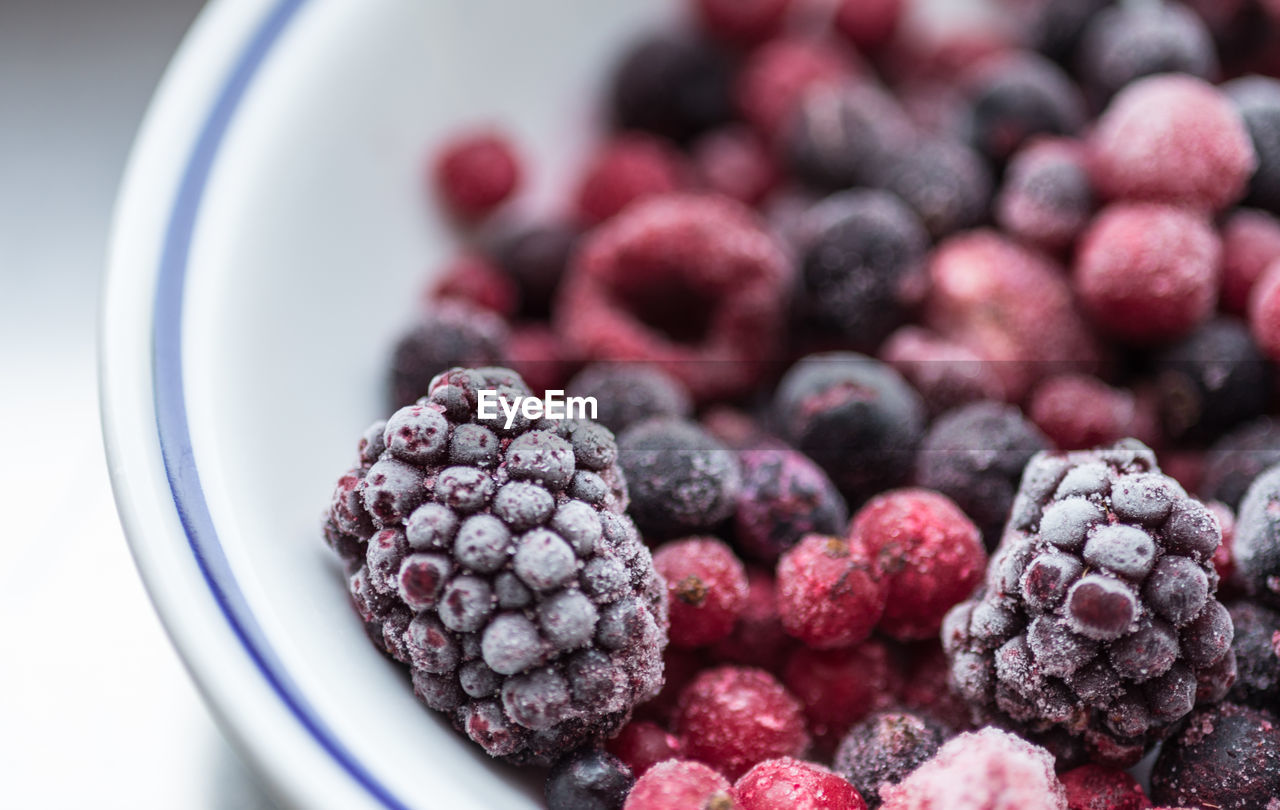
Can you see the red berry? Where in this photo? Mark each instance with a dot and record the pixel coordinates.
(476, 280)
(734, 162)
(1098, 787)
(706, 589)
(869, 24)
(777, 76)
(789, 784)
(1077, 412)
(733, 717)
(742, 22)
(1250, 244)
(929, 552)
(758, 639)
(475, 173)
(1264, 312)
(840, 687)
(679, 667)
(680, 784)
(628, 168)
(1172, 138)
(1148, 273)
(537, 353)
(830, 593)
(642, 744)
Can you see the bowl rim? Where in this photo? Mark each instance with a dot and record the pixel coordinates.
(145, 431)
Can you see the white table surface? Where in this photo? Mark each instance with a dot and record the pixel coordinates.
(96, 710)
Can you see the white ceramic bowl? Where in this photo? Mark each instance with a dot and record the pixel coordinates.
(270, 240)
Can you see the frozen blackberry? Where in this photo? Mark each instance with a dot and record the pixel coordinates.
(588, 780)
(883, 749)
(1256, 543)
(676, 87)
(1257, 649)
(535, 257)
(1132, 40)
(499, 568)
(1019, 95)
(783, 497)
(947, 183)
(1212, 381)
(1258, 100)
(627, 393)
(1239, 457)
(855, 416)
(449, 334)
(975, 456)
(682, 480)
(1098, 620)
(1226, 756)
(862, 268)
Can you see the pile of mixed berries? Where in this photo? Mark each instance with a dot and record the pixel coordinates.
(936, 458)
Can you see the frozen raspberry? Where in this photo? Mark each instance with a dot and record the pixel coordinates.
(830, 591)
(947, 183)
(1257, 657)
(588, 780)
(642, 744)
(475, 280)
(535, 257)
(929, 552)
(706, 589)
(627, 393)
(1227, 757)
(789, 784)
(1017, 96)
(681, 479)
(690, 283)
(476, 172)
(946, 373)
(1250, 243)
(1098, 617)
(1128, 42)
(882, 750)
(1011, 306)
(1258, 100)
(783, 497)
(1097, 787)
(1264, 312)
(758, 639)
(861, 268)
(975, 455)
(1256, 544)
(735, 162)
(841, 131)
(776, 77)
(840, 687)
(869, 24)
(1172, 139)
(676, 87)
(679, 783)
(1079, 411)
(1148, 273)
(1239, 457)
(519, 595)
(447, 335)
(630, 167)
(982, 770)
(742, 22)
(853, 415)
(1212, 381)
(733, 717)
(1046, 198)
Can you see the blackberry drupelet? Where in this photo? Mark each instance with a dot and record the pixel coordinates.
(1098, 622)
(497, 564)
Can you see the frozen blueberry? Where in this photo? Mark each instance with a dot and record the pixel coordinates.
(588, 780)
(1258, 100)
(1020, 95)
(450, 334)
(1256, 544)
(947, 183)
(1132, 40)
(627, 393)
(1237, 458)
(1212, 381)
(676, 87)
(681, 479)
(1226, 756)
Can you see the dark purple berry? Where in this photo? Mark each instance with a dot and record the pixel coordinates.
(1020, 95)
(536, 258)
(627, 393)
(1258, 100)
(1132, 40)
(947, 183)
(1257, 651)
(1256, 546)
(1101, 607)
(784, 496)
(840, 133)
(1239, 457)
(450, 334)
(1212, 381)
(588, 780)
(676, 87)
(883, 749)
(1177, 589)
(1226, 756)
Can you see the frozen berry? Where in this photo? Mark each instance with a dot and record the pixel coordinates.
(975, 455)
(681, 479)
(1127, 42)
(869, 24)
(1258, 100)
(735, 162)
(1097, 787)
(981, 770)
(535, 257)
(1264, 312)
(840, 687)
(947, 373)
(742, 22)
(926, 691)
(1079, 411)
(775, 78)
(862, 268)
(1019, 95)
(476, 280)
(1239, 457)
(1046, 198)
(627, 393)
(642, 744)
(733, 717)
(691, 283)
(758, 639)
(588, 780)
(853, 415)
(628, 168)
(789, 784)
(882, 750)
(1211, 381)
(841, 131)
(1148, 273)
(1172, 139)
(483, 573)
(676, 87)
(1227, 756)
(450, 334)
(475, 173)
(1257, 631)
(1250, 244)
(947, 183)
(679, 783)
(706, 589)
(1256, 544)
(783, 497)
(830, 591)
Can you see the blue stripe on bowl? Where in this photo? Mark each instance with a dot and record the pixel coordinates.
(170, 402)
